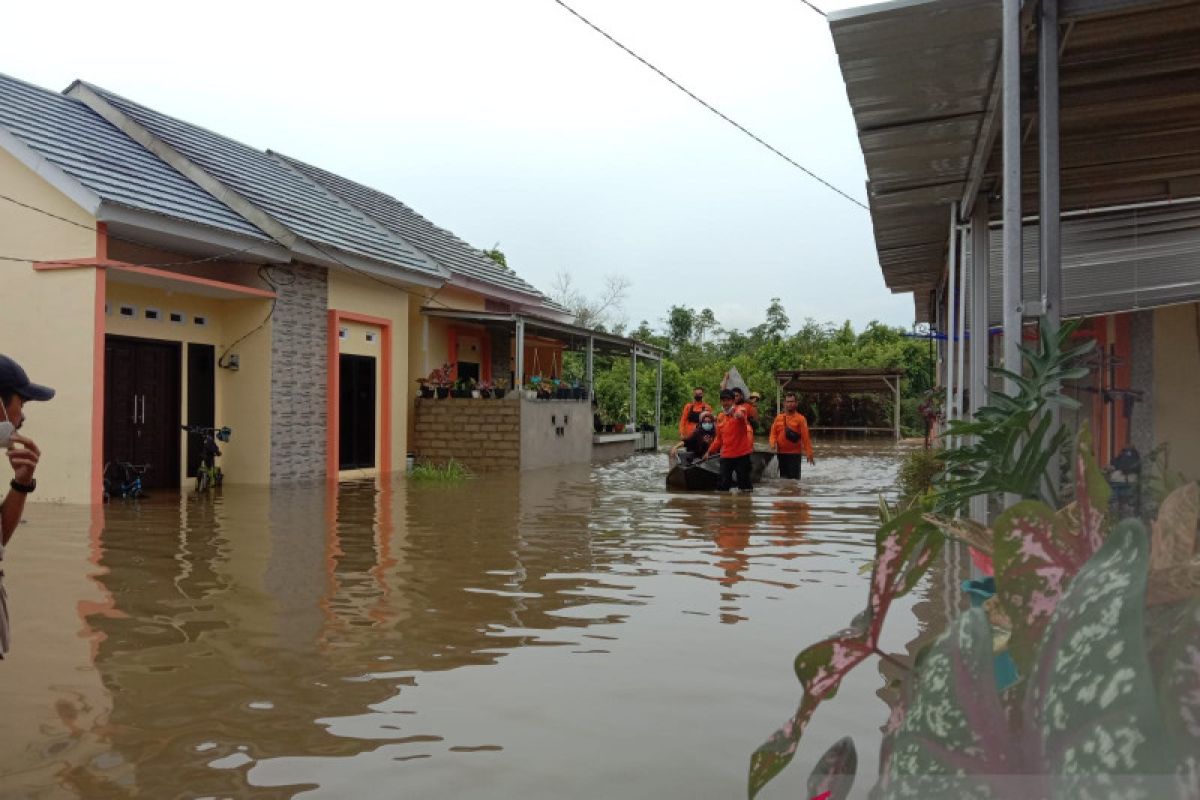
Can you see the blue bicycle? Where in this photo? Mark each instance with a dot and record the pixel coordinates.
(124, 481)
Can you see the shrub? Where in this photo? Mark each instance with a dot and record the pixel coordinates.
(917, 471)
(450, 472)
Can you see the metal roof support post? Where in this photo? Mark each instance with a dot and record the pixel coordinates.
(951, 326)
(1011, 142)
(960, 373)
(519, 378)
(979, 325)
(1049, 199)
(633, 387)
(589, 377)
(658, 404)
(896, 410)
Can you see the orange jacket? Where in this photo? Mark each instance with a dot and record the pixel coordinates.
(685, 425)
(796, 422)
(735, 438)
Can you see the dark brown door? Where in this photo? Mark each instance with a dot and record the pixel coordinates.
(356, 419)
(141, 407)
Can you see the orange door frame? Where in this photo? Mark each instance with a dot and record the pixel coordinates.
(333, 396)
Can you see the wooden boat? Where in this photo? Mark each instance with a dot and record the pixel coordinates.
(703, 476)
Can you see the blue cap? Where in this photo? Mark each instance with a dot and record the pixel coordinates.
(13, 379)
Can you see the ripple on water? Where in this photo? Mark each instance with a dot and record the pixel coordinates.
(575, 627)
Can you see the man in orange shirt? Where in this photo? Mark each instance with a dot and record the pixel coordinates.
(690, 417)
(735, 443)
(790, 440)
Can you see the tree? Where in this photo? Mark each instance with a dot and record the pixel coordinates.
(705, 322)
(495, 254)
(681, 323)
(602, 311)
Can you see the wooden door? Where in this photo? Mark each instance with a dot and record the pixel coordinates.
(356, 415)
(141, 407)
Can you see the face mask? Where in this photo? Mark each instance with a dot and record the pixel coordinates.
(698, 397)
(7, 429)
(708, 426)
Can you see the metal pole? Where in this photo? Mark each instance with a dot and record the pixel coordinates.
(896, 410)
(960, 374)
(1011, 133)
(980, 253)
(1050, 223)
(1049, 200)
(658, 404)
(589, 377)
(951, 327)
(633, 387)
(519, 378)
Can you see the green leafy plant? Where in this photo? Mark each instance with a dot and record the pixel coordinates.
(1010, 444)
(918, 468)
(450, 472)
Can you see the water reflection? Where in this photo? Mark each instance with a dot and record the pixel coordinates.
(263, 642)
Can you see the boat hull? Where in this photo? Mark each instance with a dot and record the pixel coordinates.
(705, 475)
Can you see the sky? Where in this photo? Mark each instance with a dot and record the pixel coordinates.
(512, 123)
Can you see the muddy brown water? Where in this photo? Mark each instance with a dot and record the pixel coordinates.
(575, 632)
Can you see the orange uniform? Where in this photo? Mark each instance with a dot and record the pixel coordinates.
(735, 438)
(780, 442)
(690, 418)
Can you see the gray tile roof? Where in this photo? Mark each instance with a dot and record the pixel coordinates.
(300, 205)
(75, 139)
(447, 249)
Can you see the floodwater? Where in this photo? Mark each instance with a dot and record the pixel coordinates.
(573, 632)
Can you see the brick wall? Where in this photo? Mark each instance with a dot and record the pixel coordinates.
(484, 435)
(298, 375)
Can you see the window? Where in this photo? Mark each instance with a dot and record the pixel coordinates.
(200, 320)
(177, 317)
(371, 337)
(153, 314)
(128, 311)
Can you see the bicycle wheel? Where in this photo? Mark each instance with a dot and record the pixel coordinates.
(202, 480)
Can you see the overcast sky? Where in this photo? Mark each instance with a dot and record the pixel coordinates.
(511, 122)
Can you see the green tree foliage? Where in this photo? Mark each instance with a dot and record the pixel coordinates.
(700, 351)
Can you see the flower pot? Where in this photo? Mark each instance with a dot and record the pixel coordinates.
(477, 393)
(443, 392)
(608, 428)
(426, 392)
(564, 393)
(619, 427)
(579, 393)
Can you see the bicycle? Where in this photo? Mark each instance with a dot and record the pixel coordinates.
(129, 485)
(209, 475)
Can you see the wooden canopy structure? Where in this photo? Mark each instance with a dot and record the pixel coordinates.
(844, 381)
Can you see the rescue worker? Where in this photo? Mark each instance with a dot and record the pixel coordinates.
(690, 417)
(734, 443)
(790, 440)
(696, 445)
(752, 410)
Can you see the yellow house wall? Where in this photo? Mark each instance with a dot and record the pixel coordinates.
(351, 293)
(1177, 384)
(243, 398)
(48, 325)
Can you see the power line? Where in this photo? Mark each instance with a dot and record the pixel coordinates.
(814, 8)
(711, 108)
(14, 201)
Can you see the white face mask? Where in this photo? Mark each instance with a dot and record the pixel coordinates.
(7, 429)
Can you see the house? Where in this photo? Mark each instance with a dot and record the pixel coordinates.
(1063, 180)
(167, 276)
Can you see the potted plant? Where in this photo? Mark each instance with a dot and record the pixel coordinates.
(498, 388)
(578, 391)
(619, 427)
(484, 389)
(440, 380)
(425, 388)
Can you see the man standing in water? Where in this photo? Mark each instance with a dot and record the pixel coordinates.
(734, 443)
(790, 439)
(23, 455)
(690, 417)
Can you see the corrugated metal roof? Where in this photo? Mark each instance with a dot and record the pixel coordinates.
(297, 203)
(117, 169)
(447, 249)
(918, 76)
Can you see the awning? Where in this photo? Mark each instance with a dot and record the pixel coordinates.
(574, 336)
(920, 78)
(844, 381)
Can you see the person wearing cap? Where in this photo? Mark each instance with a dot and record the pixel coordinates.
(790, 439)
(15, 390)
(752, 410)
(734, 442)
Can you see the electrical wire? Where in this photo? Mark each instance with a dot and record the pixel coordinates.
(14, 201)
(814, 8)
(713, 109)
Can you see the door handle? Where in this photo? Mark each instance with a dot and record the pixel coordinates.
(143, 409)
(135, 409)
